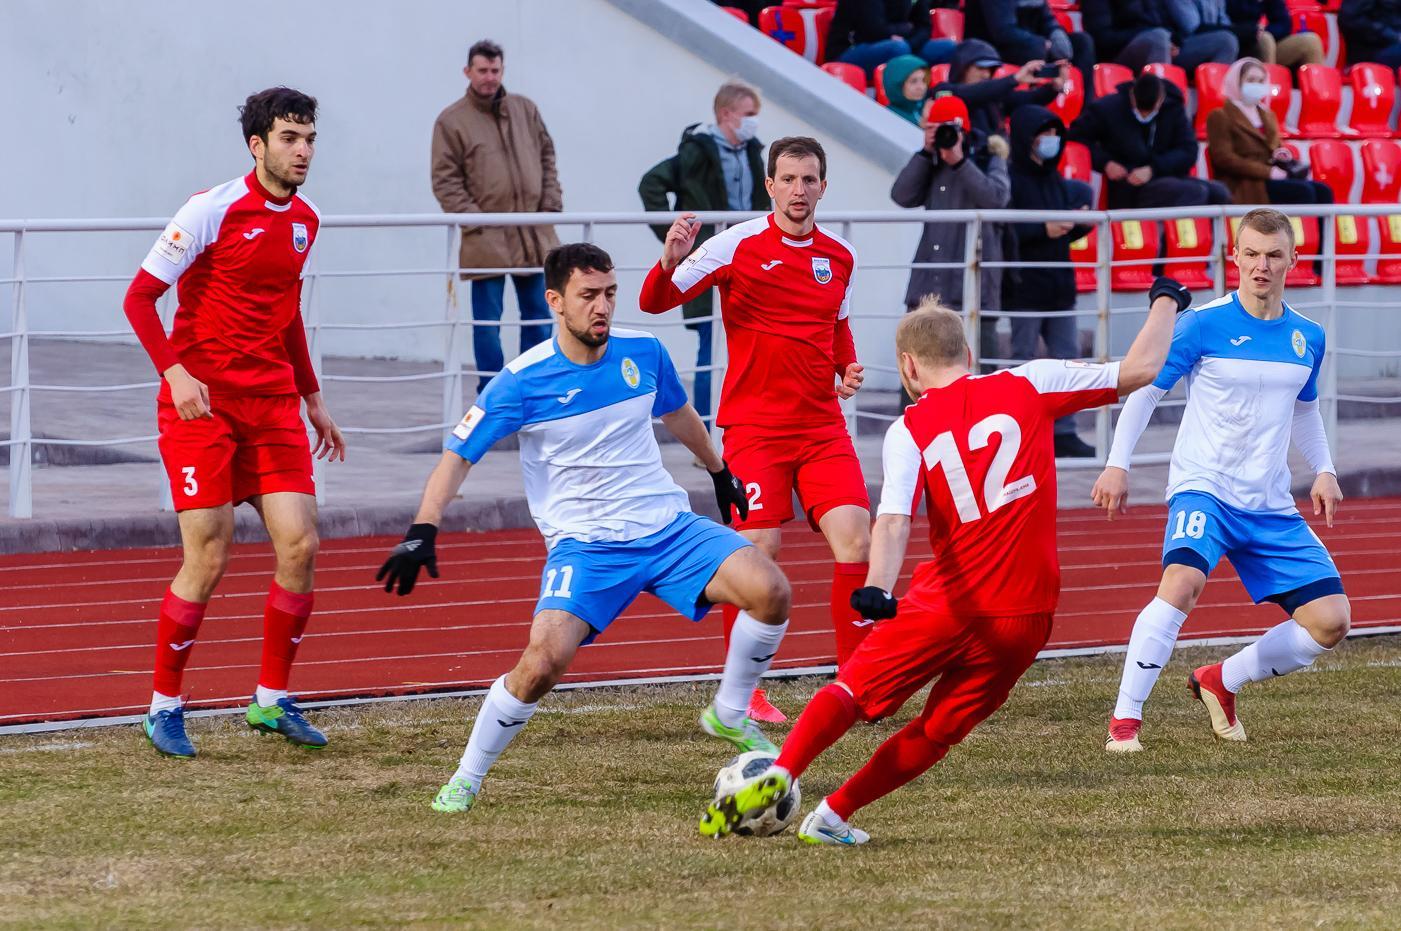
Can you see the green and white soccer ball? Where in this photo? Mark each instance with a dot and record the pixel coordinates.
(772, 820)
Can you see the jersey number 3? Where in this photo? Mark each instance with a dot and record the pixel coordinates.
(997, 491)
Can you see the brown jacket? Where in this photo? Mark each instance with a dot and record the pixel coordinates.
(497, 157)
(1239, 153)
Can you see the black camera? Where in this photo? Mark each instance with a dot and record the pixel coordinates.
(946, 136)
(1049, 70)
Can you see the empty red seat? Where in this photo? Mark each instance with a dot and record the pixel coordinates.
(803, 29)
(1373, 94)
(1188, 248)
(1076, 163)
(851, 75)
(878, 82)
(1321, 88)
(1084, 252)
(1330, 162)
(1281, 82)
(1071, 99)
(1168, 73)
(1381, 184)
(1108, 76)
(1208, 78)
(1134, 240)
(737, 13)
(946, 24)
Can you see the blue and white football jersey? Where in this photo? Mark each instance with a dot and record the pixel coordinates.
(592, 467)
(1243, 377)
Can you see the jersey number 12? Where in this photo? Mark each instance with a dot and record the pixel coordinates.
(997, 491)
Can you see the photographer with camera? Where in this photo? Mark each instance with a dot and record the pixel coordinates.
(991, 100)
(941, 176)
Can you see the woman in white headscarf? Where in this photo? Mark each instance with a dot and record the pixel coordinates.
(1242, 142)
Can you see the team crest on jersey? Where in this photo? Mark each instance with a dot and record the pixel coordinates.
(630, 373)
(300, 240)
(1299, 344)
(822, 270)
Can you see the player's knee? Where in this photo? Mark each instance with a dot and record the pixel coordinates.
(1331, 627)
(1181, 587)
(774, 599)
(534, 676)
(299, 551)
(205, 562)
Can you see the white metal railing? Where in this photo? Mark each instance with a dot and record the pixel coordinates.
(455, 323)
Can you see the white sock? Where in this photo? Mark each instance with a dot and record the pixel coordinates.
(752, 648)
(161, 702)
(266, 697)
(1282, 649)
(501, 718)
(1150, 646)
(825, 812)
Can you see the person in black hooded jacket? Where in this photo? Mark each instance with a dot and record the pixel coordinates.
(1038, 142)
(991, 99)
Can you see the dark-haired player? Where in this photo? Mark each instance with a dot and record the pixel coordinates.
(235, 370)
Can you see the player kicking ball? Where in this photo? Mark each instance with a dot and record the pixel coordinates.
(980, 451)
(615, 522)
(1251, 364)
(234, 373)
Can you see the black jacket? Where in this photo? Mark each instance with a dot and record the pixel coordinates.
(1004, 22)
(1247, 13)
(1369, 24)
(1114, 23)
(988, 101)
(1040, 187)
(856, 22)
(1112, 131)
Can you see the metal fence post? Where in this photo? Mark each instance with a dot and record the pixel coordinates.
(452, 352)
(1329, 393)
(719, 354)
(850, 407)
(972, 288)
(1219, 256)
(21, 439)
(1102, 349)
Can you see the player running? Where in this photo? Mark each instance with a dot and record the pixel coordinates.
(1251, 364)
(234, 373)
(980, 451)
(785, 293)
(615, 522)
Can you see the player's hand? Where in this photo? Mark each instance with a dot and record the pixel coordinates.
(1326, 496)
(330, 444)
(729, 491)
(874, 604)
(189, 395)
(680, 240)
(1111, 491)
(852, 380)
(413, 553)
(1164, 286)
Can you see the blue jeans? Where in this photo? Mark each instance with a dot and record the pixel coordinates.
(701, 393)
(869, 54)
(487, 294)
(938, 51)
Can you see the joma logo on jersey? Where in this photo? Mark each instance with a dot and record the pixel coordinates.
(300, 239)
(1299, 344)
(822, 270)
(630, 373)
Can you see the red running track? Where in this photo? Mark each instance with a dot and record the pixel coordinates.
(76, 630)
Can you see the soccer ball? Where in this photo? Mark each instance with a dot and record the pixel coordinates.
(772, 820)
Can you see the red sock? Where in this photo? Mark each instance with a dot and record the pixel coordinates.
(728, 615)
(284, 619)
(907, 754)
(847, 577)
(175, 639)
(827, 717)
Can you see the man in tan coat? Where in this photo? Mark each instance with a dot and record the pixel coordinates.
(492, 154)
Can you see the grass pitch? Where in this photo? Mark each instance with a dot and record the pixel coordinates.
(589, 820)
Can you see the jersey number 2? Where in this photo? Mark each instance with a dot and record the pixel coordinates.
(997, 491)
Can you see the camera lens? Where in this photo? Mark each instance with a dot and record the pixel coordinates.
(946, 136)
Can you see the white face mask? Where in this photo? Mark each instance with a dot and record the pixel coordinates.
(1047, 147)
(1144, 118)
(1254, 92)
(748, 128)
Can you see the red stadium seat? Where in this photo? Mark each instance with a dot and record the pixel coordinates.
(1281, 87)
(1084, 252)
(1322, 90)
(1076, 163)
(946, 24)
(1108, 76)
(1373, 94)
(737, 13)
(1326, 25)
(1134, 239)
(1188, 247)
(802, 29)
(1330, 161)
(1071, 99)
(1006, 69)
(1169, 73)
(938, 74)
(1066, 21)
(1381, 184)
(878, 82)
(1209, 78)
(851, 75)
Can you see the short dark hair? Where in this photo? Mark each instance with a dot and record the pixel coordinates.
(260, 110)
(798, 146)
(1147, 90)
(486, 49)
(562, 260)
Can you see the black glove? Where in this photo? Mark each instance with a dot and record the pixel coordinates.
(729, 490)
(405, 559)
(875, 604)
(1170, 287)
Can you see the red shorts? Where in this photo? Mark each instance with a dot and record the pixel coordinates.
(977, 659)
(250, 446)
(821, 467)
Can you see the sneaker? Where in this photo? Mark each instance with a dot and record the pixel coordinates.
(1123, 736)
(1207, 686)
(760, 709)
(744, 737)
(285, 718)
(1070, 446)
(455, 797)
(754, 796)
(817, 830)
(166, 731)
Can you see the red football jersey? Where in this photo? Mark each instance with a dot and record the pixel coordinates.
(785, 304)
(238, 253)
(981, 452)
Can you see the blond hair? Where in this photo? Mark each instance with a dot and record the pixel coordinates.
(1268, 221)
(932, 333)
(732, 92)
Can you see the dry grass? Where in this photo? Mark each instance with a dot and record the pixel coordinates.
(589, 820)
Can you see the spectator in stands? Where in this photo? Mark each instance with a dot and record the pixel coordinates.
(1038, 141)
(1372, 30)
(868, 33)
(990, 99)
(941, 176)
(1201, 32)
(492, 154)
(1128, 32)
(906, 81)
(717, 166)
(1027, 30)
(1276, 42)
(1243, 144)
(1140, 140)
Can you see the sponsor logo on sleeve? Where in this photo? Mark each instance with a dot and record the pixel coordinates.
(300, 239)
(469, 423)
(690, 262)
(1077, 364)
(1299, 344)
(822, 270)
(174, 244)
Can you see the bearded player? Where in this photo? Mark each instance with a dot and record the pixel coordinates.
(234, 373)
(785, 294)
(980, 451)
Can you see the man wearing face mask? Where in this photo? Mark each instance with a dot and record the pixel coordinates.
(1141, 141)
(717, 166)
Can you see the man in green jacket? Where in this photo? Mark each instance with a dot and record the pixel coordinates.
(717, 166)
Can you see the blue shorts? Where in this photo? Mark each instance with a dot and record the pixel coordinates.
(1278, 556)
(597, 581)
